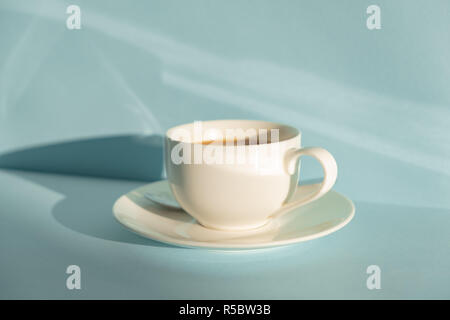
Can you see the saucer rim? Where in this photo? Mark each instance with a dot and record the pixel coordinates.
(232, 246)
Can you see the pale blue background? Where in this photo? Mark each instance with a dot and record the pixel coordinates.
(82, 113)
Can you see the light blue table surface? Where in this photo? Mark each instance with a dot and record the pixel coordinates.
(82, 113)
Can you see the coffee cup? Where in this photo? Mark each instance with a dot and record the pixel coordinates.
(238, 174)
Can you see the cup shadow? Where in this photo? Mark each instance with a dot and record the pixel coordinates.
(131, 157)
(87, 204)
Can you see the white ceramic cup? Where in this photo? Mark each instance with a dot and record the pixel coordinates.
(246, 192)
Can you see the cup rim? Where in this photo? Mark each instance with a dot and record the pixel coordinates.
(296, 132)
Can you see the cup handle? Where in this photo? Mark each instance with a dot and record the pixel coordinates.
(329, 169)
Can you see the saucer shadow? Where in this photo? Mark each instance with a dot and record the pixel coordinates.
(87, 203)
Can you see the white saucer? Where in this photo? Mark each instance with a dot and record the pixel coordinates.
(175, 227)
